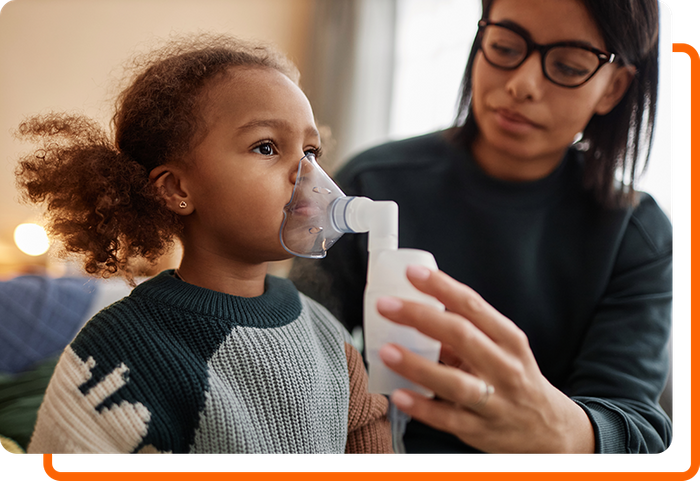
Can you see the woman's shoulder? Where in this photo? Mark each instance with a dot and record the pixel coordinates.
(648, 236)
(653, 223)
(649, 227)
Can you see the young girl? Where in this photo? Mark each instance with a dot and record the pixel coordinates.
(215, 356)
(564, 346)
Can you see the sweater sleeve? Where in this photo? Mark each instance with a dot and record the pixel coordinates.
(368, 426)
(623, 363)
(70, 421)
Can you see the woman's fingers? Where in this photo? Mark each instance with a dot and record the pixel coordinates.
(471, 344)
(438, 414)
(446, 382)
(451, 358)
(463, 300)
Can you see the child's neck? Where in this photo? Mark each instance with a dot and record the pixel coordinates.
(229, 277)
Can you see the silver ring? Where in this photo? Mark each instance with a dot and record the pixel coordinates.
(485, 391)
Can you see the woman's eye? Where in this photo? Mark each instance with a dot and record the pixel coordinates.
(570, 71)
(505, 50)
(264, 149)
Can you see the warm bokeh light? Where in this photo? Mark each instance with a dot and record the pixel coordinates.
(31, 239)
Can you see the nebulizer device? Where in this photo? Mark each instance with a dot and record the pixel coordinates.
(318, 214)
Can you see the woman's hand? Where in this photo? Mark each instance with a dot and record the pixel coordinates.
(489, 391)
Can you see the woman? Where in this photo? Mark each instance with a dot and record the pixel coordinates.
(559, 342)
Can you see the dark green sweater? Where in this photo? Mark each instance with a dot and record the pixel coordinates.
(178, 368)
(591, 287)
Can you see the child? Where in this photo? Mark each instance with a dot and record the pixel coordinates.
(215, 356)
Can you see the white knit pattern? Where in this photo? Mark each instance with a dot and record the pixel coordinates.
(68, 421)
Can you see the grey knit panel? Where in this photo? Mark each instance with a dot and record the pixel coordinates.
(278, 390)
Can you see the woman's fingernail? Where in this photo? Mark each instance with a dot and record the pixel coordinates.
(420, 273)
(402, 400)
(389, 304)
(390, 355)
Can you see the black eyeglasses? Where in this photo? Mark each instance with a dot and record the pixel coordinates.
(569, 64)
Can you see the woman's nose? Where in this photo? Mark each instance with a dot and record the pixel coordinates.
(527, 81)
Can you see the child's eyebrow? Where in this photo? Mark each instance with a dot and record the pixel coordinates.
(279, 124)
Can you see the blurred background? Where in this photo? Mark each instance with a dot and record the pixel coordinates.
(373, 70)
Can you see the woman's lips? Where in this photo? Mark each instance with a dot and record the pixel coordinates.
(514, 122)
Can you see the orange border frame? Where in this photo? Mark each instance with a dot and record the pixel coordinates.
(692, 471)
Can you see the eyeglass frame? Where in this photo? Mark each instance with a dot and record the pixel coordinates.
(603, 57)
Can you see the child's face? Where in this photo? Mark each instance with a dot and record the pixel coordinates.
(519, 112)
(260, 125)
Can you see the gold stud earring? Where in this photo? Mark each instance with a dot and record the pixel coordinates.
(183, 204)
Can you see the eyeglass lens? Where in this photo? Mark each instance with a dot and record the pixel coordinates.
(569, 66)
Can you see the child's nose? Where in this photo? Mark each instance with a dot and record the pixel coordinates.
(299, 168)
(526, 82)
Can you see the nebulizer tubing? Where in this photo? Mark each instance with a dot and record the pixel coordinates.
(318, 214)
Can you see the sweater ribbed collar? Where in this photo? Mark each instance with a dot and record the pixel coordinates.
(277, 306)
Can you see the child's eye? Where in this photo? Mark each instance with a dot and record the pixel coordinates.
(317, 151)
(266, 148)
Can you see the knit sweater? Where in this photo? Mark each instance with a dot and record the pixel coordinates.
(590, 286)
(177, 368)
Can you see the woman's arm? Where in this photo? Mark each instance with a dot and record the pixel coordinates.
(525, 413)
(615, 406)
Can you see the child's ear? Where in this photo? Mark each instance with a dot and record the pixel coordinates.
(168, 180)
(620, 81)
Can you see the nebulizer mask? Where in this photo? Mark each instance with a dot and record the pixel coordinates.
(318, 214)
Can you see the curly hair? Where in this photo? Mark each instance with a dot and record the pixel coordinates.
(99, 201)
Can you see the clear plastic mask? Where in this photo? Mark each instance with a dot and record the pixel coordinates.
(308, 229)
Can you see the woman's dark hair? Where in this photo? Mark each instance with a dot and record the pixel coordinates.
(98, 197)
(615, 141)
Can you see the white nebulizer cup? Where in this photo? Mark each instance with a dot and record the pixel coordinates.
(388, 278)
(317, 215)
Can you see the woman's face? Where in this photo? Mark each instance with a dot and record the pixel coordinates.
(526, 122)
(259, 126)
